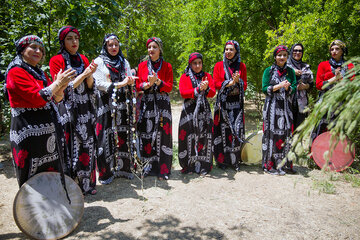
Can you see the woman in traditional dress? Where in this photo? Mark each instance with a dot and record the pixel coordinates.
(195, 127)
(278, 84)
(77, 109)
(229, 121)
(329, 73)
(114, 81)
(304, 82)
(154, 123)
(36, 134)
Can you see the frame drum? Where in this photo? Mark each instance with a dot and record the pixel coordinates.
(340, 158)
(41, 209)
(251, 152)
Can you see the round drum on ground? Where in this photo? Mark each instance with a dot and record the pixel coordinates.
(41, 209)
(339, 159)
(251, 152)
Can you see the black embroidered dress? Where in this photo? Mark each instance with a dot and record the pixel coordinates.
(35, 133)
(154, 125)
(112, 160)
(195, 126)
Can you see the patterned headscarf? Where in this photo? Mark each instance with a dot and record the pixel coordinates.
(62, 34)
(280, 70)
(194, 56)
(233, 63)
(279, 49)
(155, 66)
(25, 41)
(107, 38)
(18, 61)
(157, 41)
(333, 62)
(115, 64)
(341, 44)
(189, 72)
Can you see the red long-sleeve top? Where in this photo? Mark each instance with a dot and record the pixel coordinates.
(57, 62)
(187, 90)
(219, 74)
(165, 75)
(24, 89)
(324, 73)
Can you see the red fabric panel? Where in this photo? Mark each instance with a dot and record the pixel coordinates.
(187, 91)
(219, 74)
(24, 89)
(165, 74)
(57, 62)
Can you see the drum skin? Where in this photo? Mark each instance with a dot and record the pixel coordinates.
(339, 160)
(251, 152)
(41, 209)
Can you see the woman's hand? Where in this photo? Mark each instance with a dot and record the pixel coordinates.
(286, 84)
(303, 86)
(132, 80)
(158, 82)
(127, 81)
(63, 78)
(152, 78)
(236, 77)
(298, 72)
(90, 69)
(204, 84)
(338, 74)
(337, 77)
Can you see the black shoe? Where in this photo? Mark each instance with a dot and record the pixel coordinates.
(222, 166)
(290, 171)
(203, 173)
(271, 171)
(281, 172)
(237, 167)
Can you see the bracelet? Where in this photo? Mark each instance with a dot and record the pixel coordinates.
(62, 95)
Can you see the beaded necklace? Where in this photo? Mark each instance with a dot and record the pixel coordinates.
(131, 112)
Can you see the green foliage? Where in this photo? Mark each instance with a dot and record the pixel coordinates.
(324, 186)
(343, 100)
(353, 177)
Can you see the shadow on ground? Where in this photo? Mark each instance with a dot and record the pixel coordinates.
(169, 227)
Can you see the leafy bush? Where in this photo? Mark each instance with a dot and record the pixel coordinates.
(343, 100)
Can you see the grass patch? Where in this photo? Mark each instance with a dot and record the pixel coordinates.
(352, 176)
(175, 155)
(353, 179)
(324, 186)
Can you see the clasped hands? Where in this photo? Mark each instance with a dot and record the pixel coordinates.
(153, 79)
(284, 84)
(127, 81)
(235, 79)
(204, 84)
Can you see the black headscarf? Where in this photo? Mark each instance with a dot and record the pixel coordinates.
(71, 61)
(231, 65)
(295, 63)
(155, 65)
(115, 64)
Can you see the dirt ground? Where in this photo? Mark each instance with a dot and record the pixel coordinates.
(223, 205)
